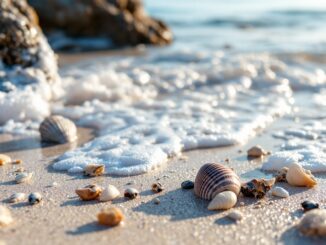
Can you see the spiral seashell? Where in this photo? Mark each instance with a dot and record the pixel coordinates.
(298, 176)
(58, 129)
(214, 178)
(222, 201)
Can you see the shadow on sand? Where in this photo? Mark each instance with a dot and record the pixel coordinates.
(88, 228)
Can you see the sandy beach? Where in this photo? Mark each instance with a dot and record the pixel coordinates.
(180, 218)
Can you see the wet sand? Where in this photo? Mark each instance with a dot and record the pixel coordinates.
(180, 218)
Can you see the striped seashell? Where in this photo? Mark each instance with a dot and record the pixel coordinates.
(58, 129)
(214, 178)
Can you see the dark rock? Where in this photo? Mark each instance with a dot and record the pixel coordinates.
(188, 184)
(123, 21)
(309, 205)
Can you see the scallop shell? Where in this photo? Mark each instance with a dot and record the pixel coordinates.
(313, 223)
(4, 159)
(213, 178)
(17, 197)
(94, 170)
(23, 177)
(5, 216)
(110, 216)
(58, 129)
(223, 200)
(109, 193)
(298, 176)
(89, 192)
(280, 192)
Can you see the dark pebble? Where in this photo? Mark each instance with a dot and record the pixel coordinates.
(309, 205)
(187, 185)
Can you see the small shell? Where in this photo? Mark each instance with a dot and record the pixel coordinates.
(5, 216)
(256, 151)
(34, 198)
(109, 193)
(17, 197)
(157, 187)
(257, 187)
(313, 223)
(157, 201)
(298, 176)
(280, 192)
(281, 175)
(223, 200)
(187, 185)
(110, 216)
(94, 170)
(131, 193)
(4, 159)
(213, 178)
(309, 205)
(235, 215)
(18, 161)
(23, 178)
(58, 129)
(89, 192)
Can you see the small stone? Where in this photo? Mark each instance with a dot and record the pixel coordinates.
(54, 184)
(313, 223)
(89, 192)
(309, 205)
(4, 159)
(157, 201)
(34, 198)
(131, 193)
(157, 187)
(5, 216)
(110, 216)
(235, 215)
(256, 151)
(188, 184)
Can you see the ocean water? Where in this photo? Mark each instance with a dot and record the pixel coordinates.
(233, 70)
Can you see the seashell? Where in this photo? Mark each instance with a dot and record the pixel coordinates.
(23, 177)
(256, 151)
(17, 197)
(34, 198)
(5, 216)
(4, 159)
(131, 193)
(157, 187)
(257, 187)
(58, 129)
(94, 170)
(280, 192)
(298, 176)
(157, 201)
(109, 193)
(313, 223)
(235, 215)
(213, 178)
(110, 216)
(89, 192)
(223, 200)
(309, 205)
(281, 175)
(18, 161)
(187, 185)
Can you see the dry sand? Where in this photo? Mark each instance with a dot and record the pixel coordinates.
(180, 218)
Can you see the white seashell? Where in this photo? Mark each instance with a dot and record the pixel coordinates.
(298, 176)
(109, 193)
(256, 151)
(235, 215)
(23, 177)
(313, 223)
(35, 198)
(223, 200)
(58, 129)
(17, 197)
(5, 216)
(214, 178)
(4, 159)
(280, 192)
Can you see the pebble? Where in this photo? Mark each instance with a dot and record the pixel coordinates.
(89, 192)
(256, 151)
(313, 223)
(131, 193)
(110, 216)
(157, 187)
(188, 184)
(4, 159)
(34, 198)
(157, 201)
(309, 205)
(235, 215)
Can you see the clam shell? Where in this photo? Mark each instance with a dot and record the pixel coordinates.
(109, 193)
(4, 159)
(313, 223)
(223, 200)
(213, 178)
(298, 176)
(58, 129)
(17, 197)
(23, 177)
(94, 170)
(5, 216)
(280, 192)
(110, 216)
